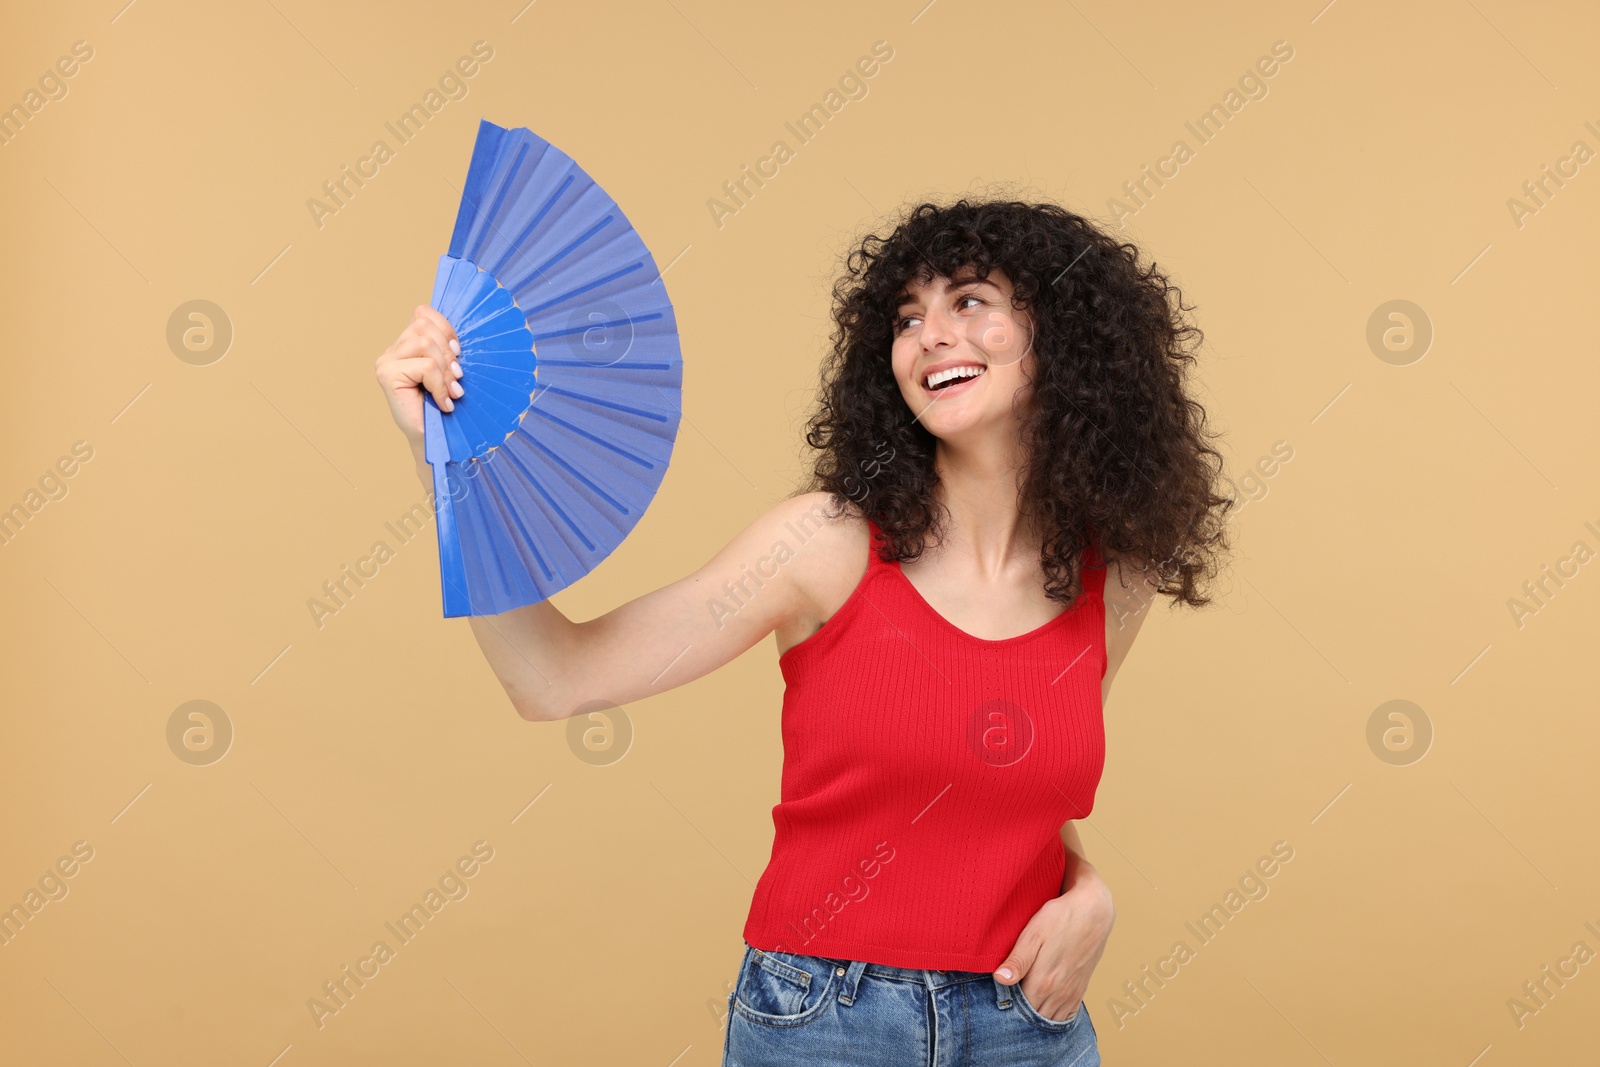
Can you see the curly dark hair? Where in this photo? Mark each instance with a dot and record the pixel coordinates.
(1118, 453)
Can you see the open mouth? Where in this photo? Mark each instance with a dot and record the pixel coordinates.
(952, 379)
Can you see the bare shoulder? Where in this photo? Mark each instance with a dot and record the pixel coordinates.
(821, 543)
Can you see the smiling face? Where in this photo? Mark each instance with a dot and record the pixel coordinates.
(962, 355)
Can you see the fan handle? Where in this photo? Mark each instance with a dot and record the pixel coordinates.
(452, 571)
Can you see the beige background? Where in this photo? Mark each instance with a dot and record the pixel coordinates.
(1376, 564)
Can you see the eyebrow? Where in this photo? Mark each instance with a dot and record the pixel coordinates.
(907, 298)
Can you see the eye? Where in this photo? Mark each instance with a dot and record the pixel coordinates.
(901, 323)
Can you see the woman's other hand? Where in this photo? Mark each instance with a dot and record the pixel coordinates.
(1058, 950)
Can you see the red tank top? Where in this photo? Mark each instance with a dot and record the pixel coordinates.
(926, 777)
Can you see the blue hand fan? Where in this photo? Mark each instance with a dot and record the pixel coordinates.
(572, 376)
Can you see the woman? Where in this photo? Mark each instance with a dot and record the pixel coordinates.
(1009, 470)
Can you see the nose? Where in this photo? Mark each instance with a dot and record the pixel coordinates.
(938, 330)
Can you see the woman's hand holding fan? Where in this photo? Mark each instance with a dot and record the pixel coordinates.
(422, 358)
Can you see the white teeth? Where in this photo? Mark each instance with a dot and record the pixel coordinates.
(954, 372)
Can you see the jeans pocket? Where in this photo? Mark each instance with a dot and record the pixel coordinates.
(1033, 1016)
(781, 989)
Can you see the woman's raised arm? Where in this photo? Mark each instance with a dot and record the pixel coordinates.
(552, 667)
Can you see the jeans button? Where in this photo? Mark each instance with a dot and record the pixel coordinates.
(838, 971)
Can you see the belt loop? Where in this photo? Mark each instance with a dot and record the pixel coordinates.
(852, 979)
(1002, 993)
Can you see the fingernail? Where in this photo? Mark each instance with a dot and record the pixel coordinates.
(455, 346)
(455, 389)
(455, 368)
(449, 405)
(1005, 972)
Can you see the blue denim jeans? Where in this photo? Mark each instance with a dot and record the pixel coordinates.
(791, 1009)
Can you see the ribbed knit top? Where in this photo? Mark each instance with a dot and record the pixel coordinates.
(926, 777)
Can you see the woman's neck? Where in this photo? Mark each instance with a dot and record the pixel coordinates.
(981, 492)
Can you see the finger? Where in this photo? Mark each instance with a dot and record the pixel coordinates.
(443, 388)
(427, 313)
(447, 346)
(426, 343)
(411, 343)
(1020, 959)
(1055, 1004)
(424, 371)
